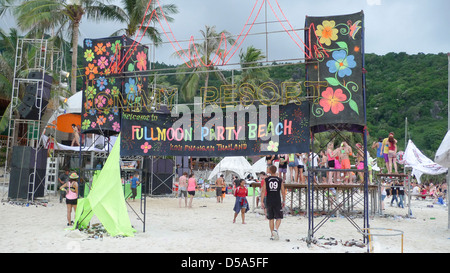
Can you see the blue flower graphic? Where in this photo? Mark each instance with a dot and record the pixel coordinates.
(131, 89)
(341, 63)
(88, 42)
(102, 82)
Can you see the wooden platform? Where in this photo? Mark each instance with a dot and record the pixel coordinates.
(327, 196)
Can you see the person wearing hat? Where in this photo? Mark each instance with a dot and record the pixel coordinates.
(71, 189)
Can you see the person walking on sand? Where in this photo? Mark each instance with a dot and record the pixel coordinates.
(133, 185)
(71, 188)
(241, 203)
(192, 185)
(220, 183)
(274, 187)
(182, 189)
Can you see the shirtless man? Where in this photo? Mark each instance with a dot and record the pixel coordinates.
(344, 152)
(220, 183)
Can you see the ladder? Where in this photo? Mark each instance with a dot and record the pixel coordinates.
(51, 175)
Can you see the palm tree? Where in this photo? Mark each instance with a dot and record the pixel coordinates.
(252, 71)
(208, 50)
(134, 13)
(45, 15)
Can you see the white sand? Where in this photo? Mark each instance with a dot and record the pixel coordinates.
(208, 228)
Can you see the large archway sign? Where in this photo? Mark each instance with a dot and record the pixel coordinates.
(117, 98)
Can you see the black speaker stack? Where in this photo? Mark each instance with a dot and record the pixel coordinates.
(29, 108)
(22, 168)
(158, 178)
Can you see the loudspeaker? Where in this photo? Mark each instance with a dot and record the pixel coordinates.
(19, 183)
(32, 88)
(28, 110)
(24, 157)
(37, 75)
(159, 165)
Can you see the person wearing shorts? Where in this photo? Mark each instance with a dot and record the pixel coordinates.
(220, 182)
(192, 185)
(182, 189)
(274, 187)
(283, 164)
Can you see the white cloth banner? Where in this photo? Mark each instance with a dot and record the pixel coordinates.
(421, 164)
(443, 153)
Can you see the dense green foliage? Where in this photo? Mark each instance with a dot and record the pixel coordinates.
(403, 86)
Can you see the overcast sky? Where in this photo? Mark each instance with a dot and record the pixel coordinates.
(410, 26)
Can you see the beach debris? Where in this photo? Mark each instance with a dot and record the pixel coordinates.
(354, 242)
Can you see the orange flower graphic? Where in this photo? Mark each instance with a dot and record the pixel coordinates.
(332, 100)
(91, 70)
(99, 49)
(142, 61)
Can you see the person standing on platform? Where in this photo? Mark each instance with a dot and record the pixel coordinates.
(192, 186)
(331, 163)
(299, 160)
(274, 187)
(379, 147)
(292, 168)
(344, 152)
(76, 136)
(392, 153)
(241, 204)
(283, 165)
(182, 189)
(386, 147)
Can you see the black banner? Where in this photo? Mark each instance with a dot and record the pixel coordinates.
(234, 131)
(113, 69)
(336, 64)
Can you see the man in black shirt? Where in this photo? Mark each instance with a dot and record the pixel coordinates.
(274, 187)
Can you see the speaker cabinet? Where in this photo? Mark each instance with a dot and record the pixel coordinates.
(20, 186)
(24, 157)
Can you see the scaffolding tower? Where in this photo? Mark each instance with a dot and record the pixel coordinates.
(32, 56)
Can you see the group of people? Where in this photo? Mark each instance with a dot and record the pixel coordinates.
(387, 152)
(272, 195)
(187, 184)
(331, 158)
(422, 191)
(396, 190)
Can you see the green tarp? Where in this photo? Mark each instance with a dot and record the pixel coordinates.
(106, 199)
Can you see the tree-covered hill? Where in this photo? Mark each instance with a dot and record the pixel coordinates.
(403, 86)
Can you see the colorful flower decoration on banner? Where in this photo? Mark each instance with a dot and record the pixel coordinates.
(145, 147)
(340, 66)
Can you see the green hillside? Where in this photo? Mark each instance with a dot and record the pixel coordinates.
(403, 86)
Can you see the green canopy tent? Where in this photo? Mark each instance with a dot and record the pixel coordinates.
(106, 199)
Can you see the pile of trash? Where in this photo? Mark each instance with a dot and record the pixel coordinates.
(95, 231)
(330, 241)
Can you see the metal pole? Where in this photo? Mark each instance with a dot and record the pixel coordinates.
(448, 116)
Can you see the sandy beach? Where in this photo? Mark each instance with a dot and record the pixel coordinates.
(208, 228)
